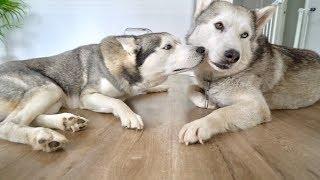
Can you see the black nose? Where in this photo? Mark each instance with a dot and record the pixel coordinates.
(201, 50)
(232, 55)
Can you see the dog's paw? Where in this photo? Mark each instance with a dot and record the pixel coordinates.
(196, 131)
(202, 104)
(73, 123)
(158, 89)
(200, 100)
(131, 120)
(46, 140)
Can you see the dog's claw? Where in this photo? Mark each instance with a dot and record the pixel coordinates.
(196, 131)
(200, 140)
(131, 121)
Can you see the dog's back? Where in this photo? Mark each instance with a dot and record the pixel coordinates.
(300, 84)
(67, 70)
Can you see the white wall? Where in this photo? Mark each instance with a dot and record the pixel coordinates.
(58, 25)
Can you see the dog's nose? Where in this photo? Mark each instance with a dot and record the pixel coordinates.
(232, 55)
(201, 50)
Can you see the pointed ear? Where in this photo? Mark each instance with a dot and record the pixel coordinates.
(118, 52)
(203, 4)
(128, 44)
(200, 6)
(264, 15)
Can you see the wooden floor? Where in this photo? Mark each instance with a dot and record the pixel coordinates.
(286, 148)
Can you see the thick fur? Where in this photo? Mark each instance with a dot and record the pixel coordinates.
(265, 77)
(96, 77)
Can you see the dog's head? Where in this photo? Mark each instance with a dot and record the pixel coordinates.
(149, 57)
(229, 32)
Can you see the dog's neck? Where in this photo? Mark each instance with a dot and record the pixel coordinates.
(131, 81)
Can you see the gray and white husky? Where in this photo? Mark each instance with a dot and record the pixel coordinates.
(244, 74)
(95, 77)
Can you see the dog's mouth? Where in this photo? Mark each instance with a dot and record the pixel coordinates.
(222, 66)
(187, 69)
(180, 70)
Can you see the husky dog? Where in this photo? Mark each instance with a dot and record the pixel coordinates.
(244, 74)
(96, 77)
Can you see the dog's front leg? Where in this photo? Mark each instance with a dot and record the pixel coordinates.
(199, 99)
(247, 112)
(104, 104)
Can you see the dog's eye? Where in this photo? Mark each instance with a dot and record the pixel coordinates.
(219, 26)
(168, 47)
(244, 35)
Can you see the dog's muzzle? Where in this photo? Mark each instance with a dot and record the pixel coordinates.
(230, 57)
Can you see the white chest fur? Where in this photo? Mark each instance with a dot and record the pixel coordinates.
(106, 88)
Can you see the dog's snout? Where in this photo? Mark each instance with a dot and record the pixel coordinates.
(201, 50)
(232, 55)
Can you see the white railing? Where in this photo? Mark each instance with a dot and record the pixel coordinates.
(275, 28)
(302, 27)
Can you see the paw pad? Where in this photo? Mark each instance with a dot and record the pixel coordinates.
(74, 123)
(47, 140)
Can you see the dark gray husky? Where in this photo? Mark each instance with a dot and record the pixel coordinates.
(95, 77)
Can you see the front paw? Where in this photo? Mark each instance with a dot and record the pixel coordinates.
(196, 131)
(158, 89)
(200, 100)
(131, 120)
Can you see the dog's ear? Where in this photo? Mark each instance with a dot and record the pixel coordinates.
(128, 44)
(202, 5)
(118, 52)
(264, 15)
